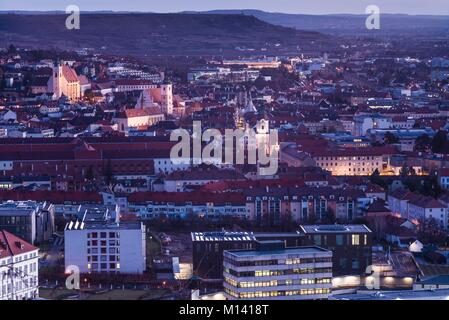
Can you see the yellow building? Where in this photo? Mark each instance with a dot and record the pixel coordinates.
(352, 161)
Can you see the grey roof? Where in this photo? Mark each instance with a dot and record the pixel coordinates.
(440, 294)
(223, 236)
(335, 228)
(128, 225)
(297, 250)
(442, 279)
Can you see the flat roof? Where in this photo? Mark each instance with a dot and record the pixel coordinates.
(438, 294)
(278, 234)
(126, 225)
(297, 250)
(222, 236)
(335, 228)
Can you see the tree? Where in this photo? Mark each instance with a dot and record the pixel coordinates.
(404, 172)
(431, 187)
(108, 174)
(260, 83)
(329, 217)
(89, 175)
(375, 178)
(439, 142)
(390, 138)
(423, 143)
(12, 49)
(429, 231)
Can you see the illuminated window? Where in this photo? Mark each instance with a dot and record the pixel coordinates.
(355, 240)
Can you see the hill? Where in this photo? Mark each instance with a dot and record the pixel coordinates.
(352, 24)
(143, 34)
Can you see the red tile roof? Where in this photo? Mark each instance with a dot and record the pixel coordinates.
(56, 197)
(132, 82)
(69, 74)
(10, 245)
(196, 198)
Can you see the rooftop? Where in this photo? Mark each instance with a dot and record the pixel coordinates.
(335, 228)
(223, 236)
(128, 225)
(441, 294)
(292, 251)
(10, 245)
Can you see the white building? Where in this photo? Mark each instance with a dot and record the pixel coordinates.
(273, 272)
(363, 123)
(181, 204)
(417, 207)
(138, 118)
(160, 93)
(105, 247)
(18, 268)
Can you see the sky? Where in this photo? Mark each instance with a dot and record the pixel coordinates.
(437, 7)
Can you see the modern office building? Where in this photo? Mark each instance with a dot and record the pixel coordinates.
(208, 248)
(274, 272)
(351, 246)
(18, 268)
(105, 246)
(30, 220)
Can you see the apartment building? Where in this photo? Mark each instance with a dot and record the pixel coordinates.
(425, 208)
(274, 272)
(416, 207)
(443, 178)
(275, 205)
(18, 268)
(153, 205)
(105, 247)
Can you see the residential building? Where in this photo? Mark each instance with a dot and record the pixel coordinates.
(179, 181)
(443, 178)
(105, 247)
(416, 207)
(180, 205)
(276, 205)
(19, 278)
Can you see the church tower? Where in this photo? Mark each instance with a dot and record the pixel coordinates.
(57, 79)
(167, 97)
(54, 84)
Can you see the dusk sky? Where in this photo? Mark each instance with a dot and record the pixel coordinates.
(439, 7)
